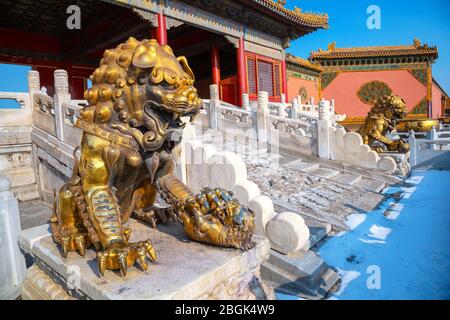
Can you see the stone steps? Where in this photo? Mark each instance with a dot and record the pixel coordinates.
(302, 166)
(26, 192)
(371, 185)
(347, 178)
(23, 182)
(335, 175)
(20, 176)
(325, 173)
(34, 213)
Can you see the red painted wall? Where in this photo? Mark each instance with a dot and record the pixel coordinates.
(294, 84)
(344, 87)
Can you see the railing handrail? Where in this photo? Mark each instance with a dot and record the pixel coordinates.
(233, 108)
(7, 94)
(296, 121)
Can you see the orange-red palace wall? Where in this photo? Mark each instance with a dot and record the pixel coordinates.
(343, 89)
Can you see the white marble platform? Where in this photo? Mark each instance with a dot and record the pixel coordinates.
(183, 270)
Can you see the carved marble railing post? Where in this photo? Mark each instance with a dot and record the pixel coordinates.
(245, 102)
(214, 101)
(34, 83)
(12, 262)
(295, 108)
(282, 112)
(62, 94)
(262, 115)
(413, 149)
(434, 136)
(323, 129)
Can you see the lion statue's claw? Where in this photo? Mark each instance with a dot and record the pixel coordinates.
(122, 257)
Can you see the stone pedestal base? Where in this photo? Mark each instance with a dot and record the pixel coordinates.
(183, 270)
(301, 273)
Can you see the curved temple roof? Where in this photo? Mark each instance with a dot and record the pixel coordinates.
(416, 49)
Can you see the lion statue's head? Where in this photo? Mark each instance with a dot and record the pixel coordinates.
(142, 89)
(392, 107)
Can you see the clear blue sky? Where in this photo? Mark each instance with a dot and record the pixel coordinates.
(401, 22)
(13, 78)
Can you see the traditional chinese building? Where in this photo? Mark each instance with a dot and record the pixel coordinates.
(355, 77)
(303, 78)
(236, 44)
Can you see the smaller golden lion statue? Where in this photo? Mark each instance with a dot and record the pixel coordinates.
(382, 118)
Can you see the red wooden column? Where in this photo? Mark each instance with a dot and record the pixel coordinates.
(284, 79)
(241, 72)
(161, 31)
(215, 64)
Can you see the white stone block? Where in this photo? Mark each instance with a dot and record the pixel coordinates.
(287, 232)
(245, 191)
(225, 169)
(197, 173)
(264, 211)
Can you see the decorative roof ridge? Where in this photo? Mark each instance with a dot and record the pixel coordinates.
(333, 52)
(309, 19)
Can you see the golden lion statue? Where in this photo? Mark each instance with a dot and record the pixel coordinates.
(130, 128)
(382, 118)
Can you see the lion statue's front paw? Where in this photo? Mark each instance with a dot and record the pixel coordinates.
(215, 217)
(122, 256)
